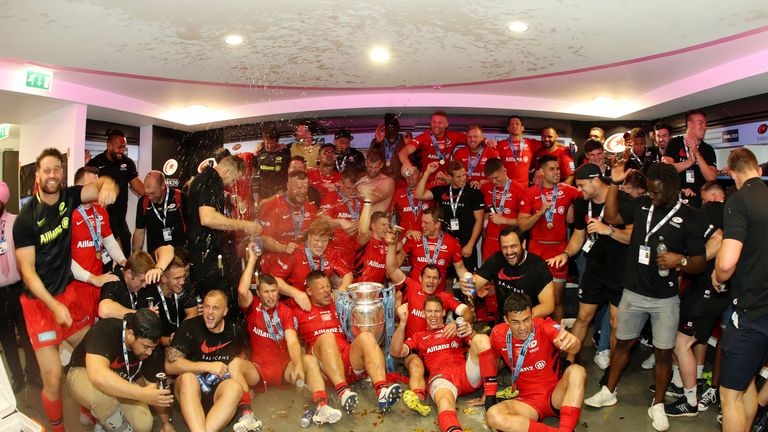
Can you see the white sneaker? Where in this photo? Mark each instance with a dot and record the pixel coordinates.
(659, 417)
(247, 423)
(603, 359)
(349, 401)
(326, 414)
(649, 363)
(604, 398)
(389, 397)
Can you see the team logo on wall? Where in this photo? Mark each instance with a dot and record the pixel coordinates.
(170, 166)
(615, 143)
(205, 164)
(763, 128)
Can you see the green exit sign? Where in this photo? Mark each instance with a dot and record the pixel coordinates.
(5, 130)
(39, 79)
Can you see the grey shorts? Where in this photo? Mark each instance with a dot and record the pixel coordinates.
(635, 309)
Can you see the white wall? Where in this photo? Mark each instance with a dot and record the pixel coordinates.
(760, 151)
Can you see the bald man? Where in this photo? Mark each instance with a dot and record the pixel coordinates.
(159, 215)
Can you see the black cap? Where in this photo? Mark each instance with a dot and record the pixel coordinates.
(390, 119)
(588, 171)
(343, 133)
(327, 145)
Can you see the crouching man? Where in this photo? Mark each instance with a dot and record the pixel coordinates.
(530, 347)
(452, 371)
(114, 370)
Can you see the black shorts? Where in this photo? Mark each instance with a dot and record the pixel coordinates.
(744, 351)
(698, 316)
(598, 290)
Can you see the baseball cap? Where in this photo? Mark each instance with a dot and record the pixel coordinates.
(588, 171)
(343, 133)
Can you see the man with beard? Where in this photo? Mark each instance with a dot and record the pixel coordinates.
(276, 353)
(463, 207)
(113, 373)
(513, 269)
(414, 294)
(474, 156)
(407, 208)
(454, 369)
(160, 215)
(286, 217)
(305, 145)
(375, 184)
(661, 134)
(517, 153)
(325, 177)
(550, 146)
(388, 142)
(53, 311)
(120, 297)
(346, 155)
(638, 155)
(174, 302)
(650, 280)
(271, 170)
(115, 163)
(343, 362)
(208, 349)
(434, 145)
(291, 270)
(694, 160)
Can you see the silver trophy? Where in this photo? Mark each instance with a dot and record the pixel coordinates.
(367, 311)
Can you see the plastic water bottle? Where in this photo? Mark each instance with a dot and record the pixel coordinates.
(661, 248)
(306, 418)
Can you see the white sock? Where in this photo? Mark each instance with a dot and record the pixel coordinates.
(699, 371)
(690, 395)
(676, 380)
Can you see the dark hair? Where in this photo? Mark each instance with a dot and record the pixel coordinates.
(310, 124)
(434, 298)
(299, 158)
(637, 133)
(80, 173)
(475, 126)
(666, 174)
(374, 156)
(139, 263)
(182, 253)
(49, 152)
(176, 262)
(431, 267)
(115, 133)
(547, 158)
(507, 230)
(591, 145)
(145, 324)
(741, 160)
(300, 175)
(660, 126)
(509, 119)
(270, 132)
(379, 215)
(440, 113)
(492, 165)
(436, 212)
(694, 112)
(220, 154)
(454, 166)
(315, 275)
(517, 302)
(637, 180)
(267, 279)
(349, 173)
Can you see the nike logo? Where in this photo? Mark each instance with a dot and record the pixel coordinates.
(311, 318)
(116, 364)
(502, 276)
(645, 208)
(80, 222)
(207, 350)
(41, 222)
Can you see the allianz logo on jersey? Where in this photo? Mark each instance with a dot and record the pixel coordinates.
(441, 347)
(411, 209)
(259, 332)
(375, 264)
(85, 244)
(51, 235)
(418, 312)
(424, 260)
(328, 330)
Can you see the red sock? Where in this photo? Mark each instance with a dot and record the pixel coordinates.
(448, 421)
(245, 403)
(534, 426)
(320, 398)
(379, 386)
(53, 409)
(569, 418)
(420, 393)
(488, 370)
(86, 412)
(341, 387)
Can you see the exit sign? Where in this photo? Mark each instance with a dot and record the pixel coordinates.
(5, 130)
(39, 79)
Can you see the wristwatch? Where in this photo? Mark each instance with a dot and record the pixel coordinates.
(683, 261)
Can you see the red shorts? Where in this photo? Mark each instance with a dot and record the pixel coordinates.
(272, 375)
(541, 402)
(456, 375)
(547, 251)
(349, 372)
(41, 324)
(90, 295)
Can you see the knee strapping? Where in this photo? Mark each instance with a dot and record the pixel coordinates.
(116, 422)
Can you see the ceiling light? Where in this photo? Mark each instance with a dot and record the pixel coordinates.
(603, 100)
(518, 27)
(379, 55)
(234, 39)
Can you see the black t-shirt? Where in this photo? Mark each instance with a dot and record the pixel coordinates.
(676, 150)
(746, 220)
(271, 171)
(105, 338)
(683, 233)
(353, 158)
(150, 217)
(169, 312)
(118, 292)
(470, 200)
(49, 229)
(528, 277)
(711, 215)
(198, 344)
(607, 256)
(642, 162)
(207, 189)
(122, 171)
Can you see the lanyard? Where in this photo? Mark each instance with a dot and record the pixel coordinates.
(439, 154)
(125, 357)
(599, 218)
(473, 164)
(311, 259)
(549, 215)
(512, 147)
(277, 332)
(297, 225)
(165, 208)
(635, 157)
(343, 165)
(354, 210)
(432, 259)
(687, 150)
(661, 222)
(521, 356)
(95, 234)
(389, 147)
(500, 205)
(416, 209)
(455, 205)
(130, 295)
(165, 306)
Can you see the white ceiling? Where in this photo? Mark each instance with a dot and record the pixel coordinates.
(145, 62)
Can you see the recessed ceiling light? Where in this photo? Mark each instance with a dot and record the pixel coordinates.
(234, 39)
(603, 100)
(518, 27)
(379, 55)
